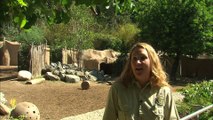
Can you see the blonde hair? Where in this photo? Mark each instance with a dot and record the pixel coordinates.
(158, 76)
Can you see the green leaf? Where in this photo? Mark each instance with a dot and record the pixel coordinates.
(22, 3)
(64, 2)
(23, 22)
(16, 19)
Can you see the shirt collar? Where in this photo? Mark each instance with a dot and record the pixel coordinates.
(135, 82)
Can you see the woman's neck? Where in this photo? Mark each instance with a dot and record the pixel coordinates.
(143, 82)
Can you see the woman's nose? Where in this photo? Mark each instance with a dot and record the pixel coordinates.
(138, 61)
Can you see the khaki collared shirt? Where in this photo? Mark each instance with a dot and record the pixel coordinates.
(136, 103)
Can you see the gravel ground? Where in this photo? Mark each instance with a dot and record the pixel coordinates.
(94, 115)
(55, 99)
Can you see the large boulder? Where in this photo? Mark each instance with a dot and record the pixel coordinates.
(24, 75)
(51, 76)
(72, 78)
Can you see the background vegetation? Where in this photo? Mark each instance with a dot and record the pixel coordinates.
(180, 28)
(197, 96)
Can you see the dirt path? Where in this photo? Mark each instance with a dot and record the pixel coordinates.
(57, 100)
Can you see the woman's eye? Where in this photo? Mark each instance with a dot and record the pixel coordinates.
(135, 58)
(141, 58)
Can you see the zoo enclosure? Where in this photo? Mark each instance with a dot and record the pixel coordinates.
(40, 55)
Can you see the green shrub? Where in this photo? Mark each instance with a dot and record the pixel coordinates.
(197, 96)
(27, 37)
(34, 35)
(24, 57)
(127, 32)
(106, 41)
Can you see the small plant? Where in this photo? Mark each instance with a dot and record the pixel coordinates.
(197, 96)
(2, 98)
(13, 103)
(21, 117)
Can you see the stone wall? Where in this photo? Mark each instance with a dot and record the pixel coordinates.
(90, 58)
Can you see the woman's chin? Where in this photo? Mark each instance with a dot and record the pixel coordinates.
(139, 78)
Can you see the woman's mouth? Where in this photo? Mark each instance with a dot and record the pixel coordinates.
(138, 69)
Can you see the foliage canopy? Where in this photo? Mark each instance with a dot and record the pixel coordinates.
(177, 27)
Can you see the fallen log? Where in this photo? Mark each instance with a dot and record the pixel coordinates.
(35, 81)
(85, 85)
(4, 110)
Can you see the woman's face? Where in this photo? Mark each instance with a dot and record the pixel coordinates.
(140, 64)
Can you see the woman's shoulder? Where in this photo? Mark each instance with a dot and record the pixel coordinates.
(165, 90)
(117, 83)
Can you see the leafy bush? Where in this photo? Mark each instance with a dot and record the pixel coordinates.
(127, 32)
(197, 96)
(10, 31)
(24, 57)
(34, 35)
(77, 33)
(106, 41)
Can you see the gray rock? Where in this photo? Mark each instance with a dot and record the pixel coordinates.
(72, 78)
(70, 71)
(50, 76)
(56, 72)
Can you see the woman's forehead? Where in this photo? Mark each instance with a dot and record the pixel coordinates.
(139, 51)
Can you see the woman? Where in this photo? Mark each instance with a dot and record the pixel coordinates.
(142, 91)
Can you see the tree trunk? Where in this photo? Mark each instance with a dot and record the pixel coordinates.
(175, 67)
